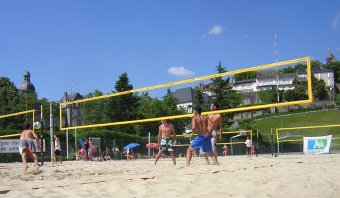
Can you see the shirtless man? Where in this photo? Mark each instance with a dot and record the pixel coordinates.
(165, 131)
(27, 142)
(214, 125)
(202, 140)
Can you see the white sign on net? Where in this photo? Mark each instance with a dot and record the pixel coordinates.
(11, 146)
(317, 145)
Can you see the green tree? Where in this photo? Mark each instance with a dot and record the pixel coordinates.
(148, 108)
(314, 64)
(290, 95)
(123, 107)
(199, 100)
(288, 69)
(222, 90)
(92, 111)
(8, 96)
(268, 96)
(335, 66)
(12, 101)
(245, 76)
(319, 88)
(337, 99)
(300, 89)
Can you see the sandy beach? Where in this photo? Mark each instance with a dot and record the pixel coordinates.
(237, 176)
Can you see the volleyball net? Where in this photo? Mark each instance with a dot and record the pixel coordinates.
(11, 123)
(291, 139)
(235, 140)
(154, 103)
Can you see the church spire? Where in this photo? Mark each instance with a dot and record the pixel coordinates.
(330, 57)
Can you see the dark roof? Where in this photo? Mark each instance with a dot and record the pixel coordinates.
(245, 81)
(301, 79)
(322, 70)
(264, 74)
(72, 97)
(315, 71)
(184, 95)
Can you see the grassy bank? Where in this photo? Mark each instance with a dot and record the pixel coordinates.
(326, 117)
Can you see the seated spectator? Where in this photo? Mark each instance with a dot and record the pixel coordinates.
(100, 158)
(107, 157)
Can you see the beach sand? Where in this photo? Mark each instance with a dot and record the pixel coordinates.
(236, 176)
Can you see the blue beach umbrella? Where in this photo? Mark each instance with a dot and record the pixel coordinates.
(131, 145)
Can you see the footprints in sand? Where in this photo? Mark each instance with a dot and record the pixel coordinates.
(33, 172)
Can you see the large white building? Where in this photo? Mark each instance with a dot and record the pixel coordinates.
(268, 80)
(325, 74)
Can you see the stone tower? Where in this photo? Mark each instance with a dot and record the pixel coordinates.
(330, 57)
(27, 86)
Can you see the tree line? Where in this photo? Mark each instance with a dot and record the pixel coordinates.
(114, 109)
(142, 106)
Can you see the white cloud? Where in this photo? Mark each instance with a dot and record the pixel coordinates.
(336, 21)
(180, 71)
(216, 30)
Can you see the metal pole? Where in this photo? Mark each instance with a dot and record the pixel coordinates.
(231, 146)
(277, 142)
(257, 143)
(51, 133)
(272, 141)
(277, 74)
(75, 141)
(42, 135)
(149, 153)
(66, 143)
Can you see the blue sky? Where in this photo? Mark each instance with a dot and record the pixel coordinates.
(81, 46)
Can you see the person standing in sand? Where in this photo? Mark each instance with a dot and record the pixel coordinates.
(166, 141)
(214, 125)
(57, 149)
(27, 143)
(225, 150)
(86, 148)
(202, 140)
(248, 147)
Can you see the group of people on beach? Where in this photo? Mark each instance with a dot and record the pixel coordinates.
(205, 128)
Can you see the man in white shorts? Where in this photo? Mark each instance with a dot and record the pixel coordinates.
(214, 125)
(27, 145)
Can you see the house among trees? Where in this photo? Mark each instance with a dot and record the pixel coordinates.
(73, 109)
(324, 74)
(288, 81)
(266, 80)
(186, 97)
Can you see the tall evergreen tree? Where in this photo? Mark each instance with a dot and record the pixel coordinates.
(123, 107)
(222, 90)
(198, 98)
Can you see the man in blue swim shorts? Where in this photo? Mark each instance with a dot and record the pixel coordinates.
(203, 139)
